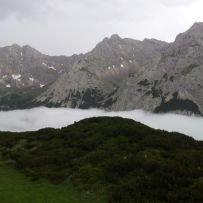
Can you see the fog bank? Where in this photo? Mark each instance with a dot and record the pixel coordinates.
(37, 118)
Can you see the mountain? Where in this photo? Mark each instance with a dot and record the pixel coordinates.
(98, 75)
(115, 159)
(175, 84)
(22, 67)
(130, 74)
(118, 74)
(25, 73)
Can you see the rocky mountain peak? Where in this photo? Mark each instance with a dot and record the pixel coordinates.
(15, 46)
(115, 37)
(24, 66)
(118, 74)
(197, 25)
(14, 49)
(110, 41)
(28, 49)
(193, 36)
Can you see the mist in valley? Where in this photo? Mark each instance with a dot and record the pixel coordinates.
(37, 118)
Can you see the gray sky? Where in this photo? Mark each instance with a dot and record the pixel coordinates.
(75, 26)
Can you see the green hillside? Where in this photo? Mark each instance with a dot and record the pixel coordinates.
(111, 160)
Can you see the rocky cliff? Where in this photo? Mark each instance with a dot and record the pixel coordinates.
(96, 78)
(175, 84)
(118, 74)
(22, 67)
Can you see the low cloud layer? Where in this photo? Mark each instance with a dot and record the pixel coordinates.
(34, 119)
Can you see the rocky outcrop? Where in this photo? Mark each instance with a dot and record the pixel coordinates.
(118, 74)
(22, 67)
(95, 79)
(175, 84)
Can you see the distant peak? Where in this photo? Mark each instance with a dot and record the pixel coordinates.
(27, 46)
(197, 24)
(16, 46)
(114, 39)
(29, 49)
(115, 36)
(194, 33)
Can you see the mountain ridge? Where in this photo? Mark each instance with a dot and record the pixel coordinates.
(125, 74)
(24, 66)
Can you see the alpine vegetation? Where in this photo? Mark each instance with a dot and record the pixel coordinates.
(37, 118)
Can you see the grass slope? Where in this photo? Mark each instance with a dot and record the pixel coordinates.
(18, 98)
(117, 160)
(15, 187)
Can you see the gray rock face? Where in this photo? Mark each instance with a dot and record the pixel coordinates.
(24, 66)
(119, 74)
(175, 84)
(94, 80)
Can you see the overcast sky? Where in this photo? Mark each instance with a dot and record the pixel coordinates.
(66, 27)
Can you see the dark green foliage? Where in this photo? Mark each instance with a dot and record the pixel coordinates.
(130, 161)
(178, 104)
(165, 77)
(144, 83)
(156, 93)
(16, 98)
(91, 98)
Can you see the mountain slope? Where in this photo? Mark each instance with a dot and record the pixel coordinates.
(118, 74)
(22, 67)
(95, 78)
(175, 84)
(126, 160)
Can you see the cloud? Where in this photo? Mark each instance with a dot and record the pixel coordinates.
(29, 120)
(177, 3)
(20, 8)
(73, 26)
(108, 9)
